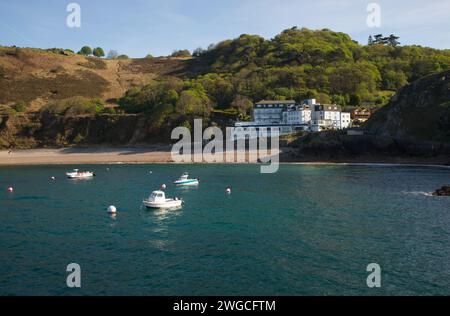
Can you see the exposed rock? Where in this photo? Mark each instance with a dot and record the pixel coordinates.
(416, 123)
(419, 111)
(444, 191)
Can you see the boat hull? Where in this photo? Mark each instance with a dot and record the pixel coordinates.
(191, 182)
(77, 176)
(163, 205)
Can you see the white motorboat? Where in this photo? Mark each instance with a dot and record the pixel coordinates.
(185, 181)
(77, 174)
(158, 200)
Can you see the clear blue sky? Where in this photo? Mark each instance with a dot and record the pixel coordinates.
(138, 27)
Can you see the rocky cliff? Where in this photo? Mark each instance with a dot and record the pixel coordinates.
(415, 124)
(419, 111)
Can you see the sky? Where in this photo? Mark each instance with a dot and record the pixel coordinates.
(158, 27)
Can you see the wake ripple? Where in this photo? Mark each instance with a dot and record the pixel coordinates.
(422, 193)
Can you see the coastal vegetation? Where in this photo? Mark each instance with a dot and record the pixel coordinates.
(219, 83)
(75, 106)
(415, 124)
(296, 64)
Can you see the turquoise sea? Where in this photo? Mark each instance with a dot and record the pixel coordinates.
(306, 230)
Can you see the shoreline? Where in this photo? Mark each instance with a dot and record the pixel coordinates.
(162, 155)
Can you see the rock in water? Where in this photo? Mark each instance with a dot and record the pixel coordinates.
(444, 191)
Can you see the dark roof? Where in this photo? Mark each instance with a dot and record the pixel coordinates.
(277, 102)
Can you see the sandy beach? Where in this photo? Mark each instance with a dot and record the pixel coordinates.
(162, 154)
(97, 155)
(85, 156)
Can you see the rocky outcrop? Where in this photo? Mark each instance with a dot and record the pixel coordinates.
(419, 111)
(416, 123)
(444, 191)
(337, 145)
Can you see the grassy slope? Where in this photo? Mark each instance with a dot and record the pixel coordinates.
(38, 76)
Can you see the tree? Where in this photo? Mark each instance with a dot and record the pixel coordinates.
(323, 98)
(242, 104)
(181, 53)
(149, 56)
(394, 80)
(112, 54)
(123, 56)
(392, 40)
(85, 51)
(198, 52)
(194, 102)
(378, 39)
(99, 52)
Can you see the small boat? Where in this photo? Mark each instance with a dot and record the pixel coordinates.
(185, 181)
(77, 174)
(158, 200)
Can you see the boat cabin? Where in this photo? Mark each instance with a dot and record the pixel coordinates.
(158, 196)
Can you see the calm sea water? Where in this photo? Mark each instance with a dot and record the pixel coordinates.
(303, 231)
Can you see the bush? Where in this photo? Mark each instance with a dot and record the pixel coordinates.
(109, 110)
(86, 51)
(20, 106)
(99, 52)
(181, 53)
(75, 106)
(60, 51)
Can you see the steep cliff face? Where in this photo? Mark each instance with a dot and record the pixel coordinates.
(416, 123)
(419, 111)
(338, 146)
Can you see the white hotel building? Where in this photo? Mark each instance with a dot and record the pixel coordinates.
(290, 117)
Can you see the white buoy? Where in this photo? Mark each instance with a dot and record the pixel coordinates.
(10, 189)
(112, 209)
(164, 187)
(53, 178)
(228, 190)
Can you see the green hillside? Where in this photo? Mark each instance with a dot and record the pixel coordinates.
(296, 64)
(420, 111)
(218, 84)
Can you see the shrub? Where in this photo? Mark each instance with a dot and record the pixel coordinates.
(99, 52)
(86, 51)
(20, 106)
(75, 106)
(181, 53)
